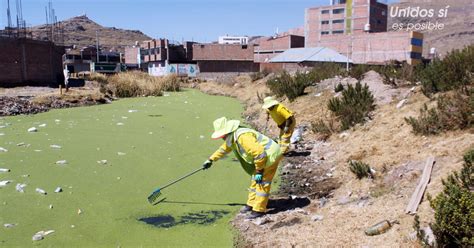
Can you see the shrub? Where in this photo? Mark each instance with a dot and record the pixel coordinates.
(259, 75)
(339, 87)
(358, 71)
(290, 86)
(98, 77)
(454, 71)
(360, 169)
(354, 106)
(452, 112)
(324, 129)
(133, 84)
(326, 70)
(454, 208)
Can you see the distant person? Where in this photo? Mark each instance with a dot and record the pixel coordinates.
(66, 78)
(284, 119)
(258, 155)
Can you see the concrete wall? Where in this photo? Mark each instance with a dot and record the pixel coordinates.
(30, 62)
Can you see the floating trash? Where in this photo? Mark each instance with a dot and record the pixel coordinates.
(121, 153)
(4, 170)
(32, 129)
(2, 134)
(79, 211)
(132, 111)
(3, 149)
(21, 144)
(20, 187)
(104, 162)
(57, 120)
(50, 206)
(55, 146)
(58, 190)
(42, 125)
(4, 183)
(41, 191)
(61, 162)
(41, 234)
(120, 124)
(8, 225)
(38, 150)
(124, 117)
(201, 136)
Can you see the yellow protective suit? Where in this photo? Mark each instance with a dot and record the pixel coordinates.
(258, 193)
(280, 114)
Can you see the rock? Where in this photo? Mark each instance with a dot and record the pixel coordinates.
(262, 221)
(20, 187)
(58, 190)
(3, 149)
(317, 217)
(344, 135)
(429, 236)
(32, 129)
(322, 202)
(41, 191)
(4, 183)
(300, 211)
(344, 200)
(61, 162)
(55, 146)
(3, 170)
(401, 103)
(8, 225)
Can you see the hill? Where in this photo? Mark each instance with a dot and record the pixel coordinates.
(81, 31)
(459, 23)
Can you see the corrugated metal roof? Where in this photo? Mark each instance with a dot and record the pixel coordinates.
(309, 54)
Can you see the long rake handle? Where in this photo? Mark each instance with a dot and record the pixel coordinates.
(181, 178)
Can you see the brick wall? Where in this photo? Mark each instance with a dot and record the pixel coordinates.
(131, 54)
(30, 62)
(227, 66)
(222, 52)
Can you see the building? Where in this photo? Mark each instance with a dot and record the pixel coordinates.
(86, 60)
(234, 40)
(300, 58)
(358, 30)
(225, 58)
(344, 17)
(268, 48)
(30, 62)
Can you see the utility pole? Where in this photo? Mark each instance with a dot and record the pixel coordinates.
(97, 45)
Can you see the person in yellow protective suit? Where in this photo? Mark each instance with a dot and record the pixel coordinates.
(284, 119)
(258, 155)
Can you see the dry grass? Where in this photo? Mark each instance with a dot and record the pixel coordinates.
(135, 84)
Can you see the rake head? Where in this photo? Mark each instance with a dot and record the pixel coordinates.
(153, 196)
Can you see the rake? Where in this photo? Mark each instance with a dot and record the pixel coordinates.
(155, 194)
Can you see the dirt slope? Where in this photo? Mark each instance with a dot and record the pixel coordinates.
(346, 205)
(81, 31)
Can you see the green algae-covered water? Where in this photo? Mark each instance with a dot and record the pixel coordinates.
(146, 143)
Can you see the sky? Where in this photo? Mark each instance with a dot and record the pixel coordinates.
(197, 20)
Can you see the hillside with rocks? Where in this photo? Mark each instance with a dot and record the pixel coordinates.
(459, 23)
(81, 31)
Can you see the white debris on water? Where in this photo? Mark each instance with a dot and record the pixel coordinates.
(9, 225)
(201, 136)
(103, 162)
(4, 170)
(42, 125)
(55, 146)
(150, 132)
(41, 234)
(38, 150)
(3, 149)
(20, 187)
(120, 124)
(133, 111)
(21, 144)
(2, 134)
(58, 190)
(121, 153)
(61, 162)
(4, 183)
(124, 117)
(32, 129)
(41, 191)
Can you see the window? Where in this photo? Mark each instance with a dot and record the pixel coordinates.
(325, 11)
(324, 32)
(338, 11)
(244, 46)
(324, 22)
(338, 31)
(337, 21)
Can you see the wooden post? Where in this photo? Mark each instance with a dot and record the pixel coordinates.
(60, 90)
